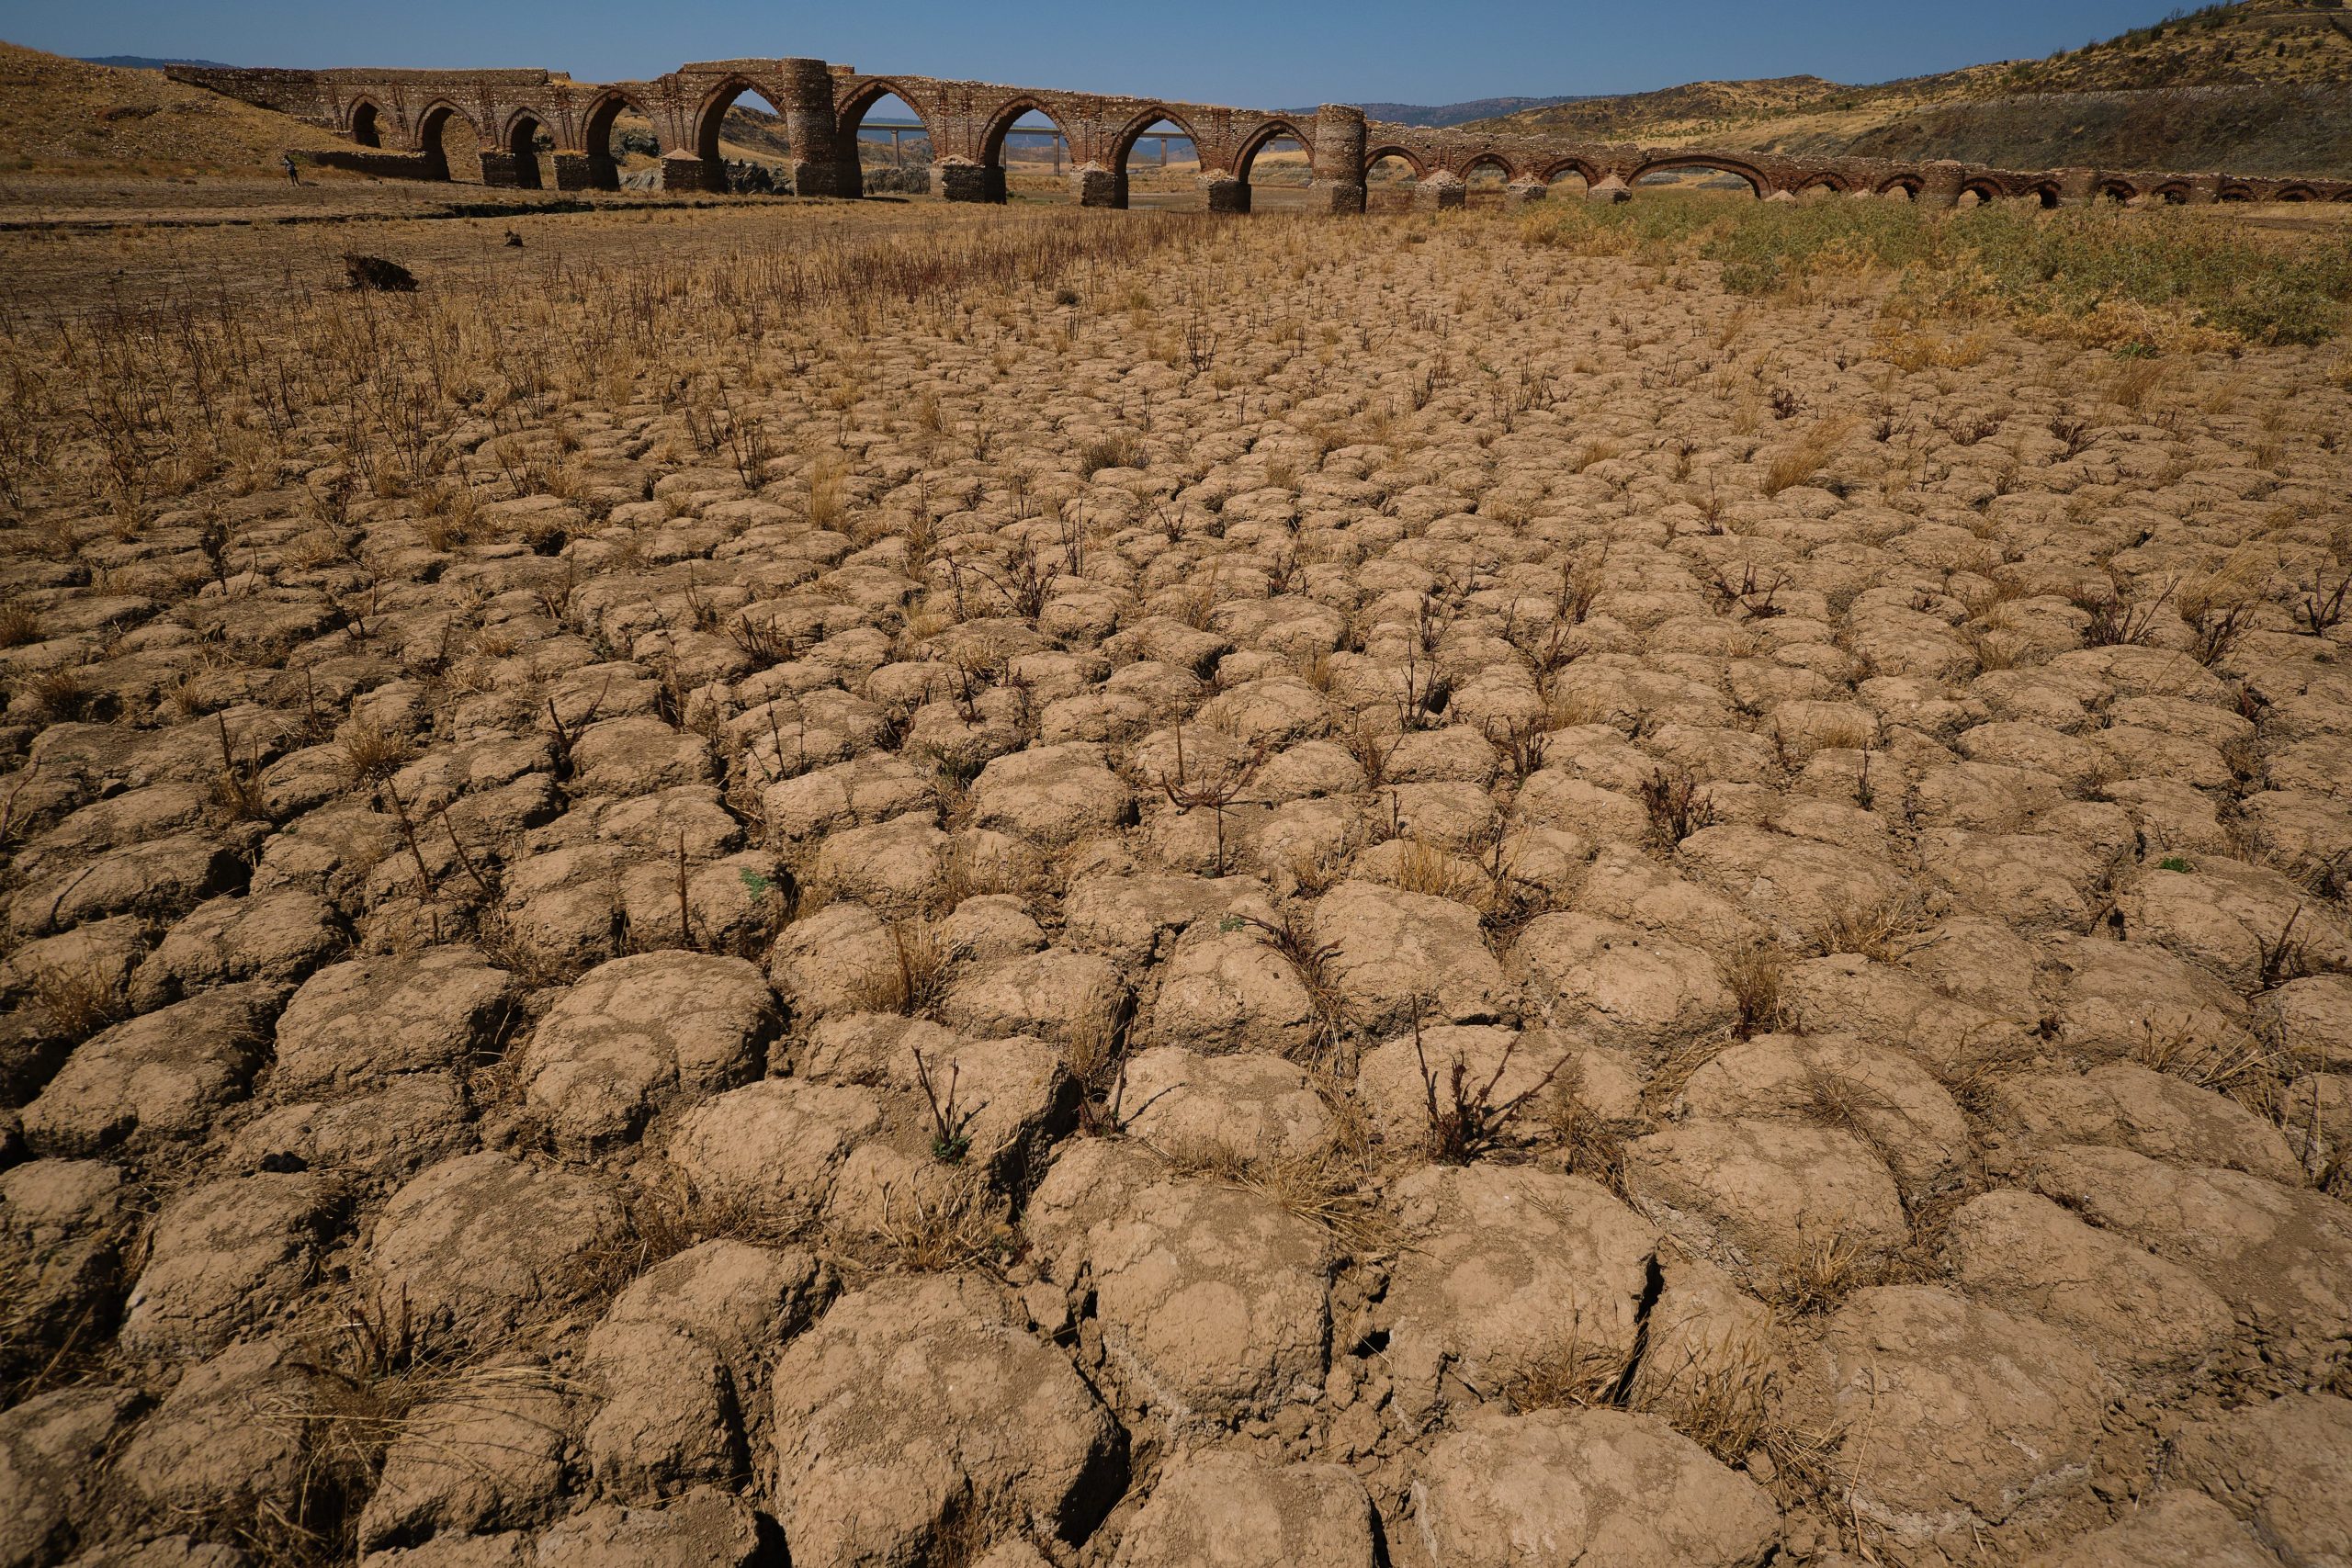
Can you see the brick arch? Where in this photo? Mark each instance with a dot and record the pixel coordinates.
(1420, 166)
(1756, 178)
(2295, 193)
(2044, 193)
(436, 115)
(712, 111)
(1815, 178)
(1489, 159)
(850, 111)
(1987, 189)
(2234, 190)
(1908, 181)
(517, 142)
(527, 112)
(1273, 130)
(2175, 192)
(1590, 172)
(1142, 120)
(364, 120)
(596, 136)
(1000, 124)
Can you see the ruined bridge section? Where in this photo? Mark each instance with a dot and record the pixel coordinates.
(398, 119)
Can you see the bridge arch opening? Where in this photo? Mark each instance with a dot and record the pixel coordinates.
(1699, 175)
(1391, 174)
(613, 133)
(1822, 186)
(887, 139)
(2045, 196)
(743, 146)
(1570, 178)
(2297, 193)
(527, 138)
(1157, 159)
(367, 126)
(1025, 151)
(1485, 178)
(1287, 163)
(2117, 190)
(449, 141)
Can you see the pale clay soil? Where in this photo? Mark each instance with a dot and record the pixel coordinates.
(1901, 1009)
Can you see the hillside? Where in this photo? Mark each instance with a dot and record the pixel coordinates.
(148, 63)
(68, 116)
(1439, 114)
(2261, 86)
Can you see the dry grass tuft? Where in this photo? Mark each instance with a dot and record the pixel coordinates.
(1678, 806)
(78, 1002)
(1804, 458)
(1825, 1271)
(1577, 1373)
(912, 980)
(1882, 930)
(371, 754)
(1323, 1188)
(953, 1221)
(1754, 974)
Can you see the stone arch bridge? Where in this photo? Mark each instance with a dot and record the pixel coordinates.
(402, 117)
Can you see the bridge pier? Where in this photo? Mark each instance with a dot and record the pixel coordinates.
(1336, 160)
(577, 171)
(1526, 190)
(967, 182)
(1338, 197)
(1096, 187)
(1613, 188)
(1941, 185)
(820, 166)
(1226, 193)
(504, 171)
(686, 171)
(1442, 192)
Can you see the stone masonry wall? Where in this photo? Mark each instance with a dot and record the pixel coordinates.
(823, 105)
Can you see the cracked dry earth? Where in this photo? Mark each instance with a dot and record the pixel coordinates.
(1313, 895)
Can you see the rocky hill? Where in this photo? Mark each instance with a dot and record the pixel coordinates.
(2261, 86)
(59, 115)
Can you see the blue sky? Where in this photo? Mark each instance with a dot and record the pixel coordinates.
(1238, 51)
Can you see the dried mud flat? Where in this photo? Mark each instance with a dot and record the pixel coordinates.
(1105, 890)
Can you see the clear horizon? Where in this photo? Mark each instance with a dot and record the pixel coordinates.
(1213, 51)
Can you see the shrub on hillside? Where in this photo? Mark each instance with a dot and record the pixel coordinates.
(2085, 273)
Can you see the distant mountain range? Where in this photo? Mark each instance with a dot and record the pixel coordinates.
(148, 63)
(1436, 114)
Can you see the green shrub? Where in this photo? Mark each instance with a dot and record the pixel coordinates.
(2278, 310)
(2089, 266)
